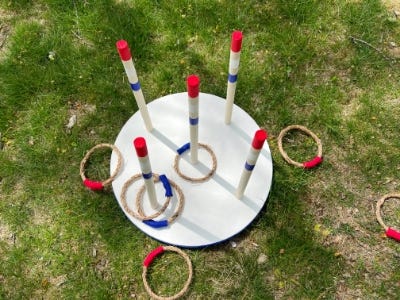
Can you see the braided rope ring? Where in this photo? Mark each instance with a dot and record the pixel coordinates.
(308, 164)
(99, 185)
(134, 214)
(149, 259)
(390, 232)
(171, 219)
(201, 179)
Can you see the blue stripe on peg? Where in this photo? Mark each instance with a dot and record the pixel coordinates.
(194, 121)
(147, 176)
(232, 78)
(249, 167)
(135, 86)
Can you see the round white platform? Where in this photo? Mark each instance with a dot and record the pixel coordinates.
(211, 213)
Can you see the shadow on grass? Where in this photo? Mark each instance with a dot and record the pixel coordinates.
(297, 265)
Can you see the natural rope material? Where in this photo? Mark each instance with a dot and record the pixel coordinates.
(139, 196)
(149, 259)
(379, 204)
(178, 210)
(134, 214)
(201, 179)
(308, 164)
(390, 232)
(98, 185)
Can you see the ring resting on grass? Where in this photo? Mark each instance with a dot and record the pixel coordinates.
(390, 232)
(150, 258)
(99, 185)
(140, 215)
(185, 148)
(307, 164)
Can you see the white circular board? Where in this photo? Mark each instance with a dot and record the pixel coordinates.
(211, 212)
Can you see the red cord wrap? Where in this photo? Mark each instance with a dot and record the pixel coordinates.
(394, 234)
(152, 255)
(312, 163)
(93, 185)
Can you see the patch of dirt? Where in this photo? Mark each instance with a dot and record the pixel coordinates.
(41, 217)
(394, 51)
(77, 111)
(352, 229)
(5, 30)
(4, 33)
(353, 103)
(6, 235)
(392, 5)
(247, 242)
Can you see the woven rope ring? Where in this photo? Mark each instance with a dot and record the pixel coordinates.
(99, 185)
(149, 259)
(186, 147)
(308, 164)
(390, 232)
(178, 210)
(139, 214)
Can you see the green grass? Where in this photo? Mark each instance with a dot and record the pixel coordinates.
(299, 65)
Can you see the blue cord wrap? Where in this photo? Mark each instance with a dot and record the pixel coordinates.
(232, 78)
(184, 148)
(156, 224)
(249, 167)
(167, 186)
(168, 193)
(135, 86)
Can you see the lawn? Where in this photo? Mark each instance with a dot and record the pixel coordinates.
(332, 66)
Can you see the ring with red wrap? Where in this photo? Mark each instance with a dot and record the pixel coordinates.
(390, 232)
(150, 258)
(307, 164)
(99, 185)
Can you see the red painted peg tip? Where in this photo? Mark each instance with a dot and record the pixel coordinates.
(193, 83)
(140, 146)
(123, 50)
(236, 43)
(152, 255)
(259, 138)
(392, 233)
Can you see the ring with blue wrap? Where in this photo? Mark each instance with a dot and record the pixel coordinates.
(139, 214)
